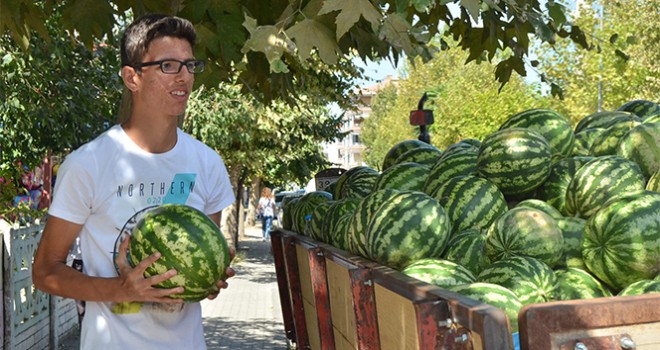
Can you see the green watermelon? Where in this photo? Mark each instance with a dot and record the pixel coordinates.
(493, 295)
(652, 119)
(189, 242)
(313, 228)
(572, 230)
(554, 127)
(527, 232)
(640, 108)
(288, 205)
(532, 280)
(470, 202)
(468, 249)
(336, 210)
(540, 205)
(404, 177)
(399, 149)
(641, 287)
(338, 191)
(421, 155)
(574, 283)
(442, 273)
(339, 235)
(600, 180)
(642, 145)
(460, 146)
(358, 225)
(409, 226)
(303, 207)
(604, 120)
(606, 142)
(621, 241)
(460, 161)
(584, 140)
(516, 160)
(358, 184)
(553, 190)
(654, 182)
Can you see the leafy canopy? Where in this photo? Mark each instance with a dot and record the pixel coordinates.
(275, 47)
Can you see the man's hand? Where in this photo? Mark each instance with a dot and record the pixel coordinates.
(138, 288)
(222, 284)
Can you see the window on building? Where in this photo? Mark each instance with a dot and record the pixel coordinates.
(356, 138)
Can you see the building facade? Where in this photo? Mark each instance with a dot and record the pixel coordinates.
(347, 153)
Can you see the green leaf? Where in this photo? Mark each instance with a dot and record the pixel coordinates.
(621, 55)
(395, 31)
(473, 8)
(613, 38)
(350, 12)
(89, 18)
(308, 34)
(267, 39)
(556, 12)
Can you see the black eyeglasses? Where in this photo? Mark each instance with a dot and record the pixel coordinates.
(172, 66)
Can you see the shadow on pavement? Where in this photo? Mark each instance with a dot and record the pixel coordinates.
(253, 334)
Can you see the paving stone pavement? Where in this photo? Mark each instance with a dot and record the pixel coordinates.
(248, 314)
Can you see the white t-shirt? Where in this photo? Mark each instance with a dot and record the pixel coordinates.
(266, 206)
(101, 185)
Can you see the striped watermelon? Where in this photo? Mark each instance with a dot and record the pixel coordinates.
(460, 146)
(652, 119)
(339, 236)
(358, 225)
(621, 242)
(654, 182)
(532, 280)
(640, 108)
(553, 190)
(470, 202)
(399, 149)
(606, 142)
(442, 273)
(421, 155)
(189, 242)
(358, 184)
(572, 230)
(303, 207)
(641, 287)
(574, 283)
(494, 295)
(288, 205)
(462, 161)
(540, 205)
(554, 127)
(313, 228)
(527, 232)
(339, 192)
(604, 120)
(404, 177)
(409, 226)
(600, 180)
(336, 210)
(642, 145)
(516, 160)
(584, 140)
(468, 249)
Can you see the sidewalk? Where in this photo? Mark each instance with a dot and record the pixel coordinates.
(248, 314)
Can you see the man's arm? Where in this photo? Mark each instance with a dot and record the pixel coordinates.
(51, 274)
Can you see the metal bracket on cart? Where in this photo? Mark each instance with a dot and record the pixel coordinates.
(610, 342)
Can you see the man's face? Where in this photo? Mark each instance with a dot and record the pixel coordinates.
(165, 93)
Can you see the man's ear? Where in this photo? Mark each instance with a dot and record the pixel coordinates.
(130, 77)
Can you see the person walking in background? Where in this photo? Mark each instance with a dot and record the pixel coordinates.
(267, 209)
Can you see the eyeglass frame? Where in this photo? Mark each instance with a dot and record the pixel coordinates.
(181, 64)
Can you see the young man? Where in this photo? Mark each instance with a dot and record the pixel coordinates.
(145, 160)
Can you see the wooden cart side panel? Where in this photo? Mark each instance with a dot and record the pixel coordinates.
(321, 298)
(550, 325)
(364, 307)
(276, 239)
(397, 320)
(341, 305)
(293, 275)
(311, 322)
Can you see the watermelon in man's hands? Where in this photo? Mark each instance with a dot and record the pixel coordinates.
(189, 242)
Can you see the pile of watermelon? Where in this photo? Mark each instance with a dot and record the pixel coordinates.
(537, 211)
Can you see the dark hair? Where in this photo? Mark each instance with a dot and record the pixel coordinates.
(144, 30)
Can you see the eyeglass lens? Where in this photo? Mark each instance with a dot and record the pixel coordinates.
(173, 66)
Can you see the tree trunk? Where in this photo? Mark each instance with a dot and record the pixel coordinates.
(255, 192)
(230, 225)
